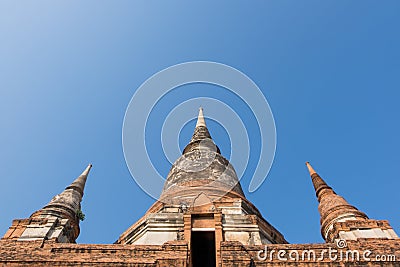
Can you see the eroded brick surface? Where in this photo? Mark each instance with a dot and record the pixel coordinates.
(48, 253)
(232, 254)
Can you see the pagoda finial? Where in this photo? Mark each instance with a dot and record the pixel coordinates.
(201, 135)
(318, 183)
(200, 119)
(310, 168)
(71, 197)
(200, 131)
(332, 207)
(79, 183)
(59, 219)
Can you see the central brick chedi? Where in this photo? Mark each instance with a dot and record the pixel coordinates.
(202, 203)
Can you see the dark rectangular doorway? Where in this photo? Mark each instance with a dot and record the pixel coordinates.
(203, 248)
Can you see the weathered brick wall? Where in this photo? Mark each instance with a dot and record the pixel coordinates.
(37, 253)
(234, 254)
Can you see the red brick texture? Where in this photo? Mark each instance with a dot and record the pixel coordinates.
(48, 253)
(371, 253)
(232, 254)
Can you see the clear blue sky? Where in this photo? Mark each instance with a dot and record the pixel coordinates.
(329, 69)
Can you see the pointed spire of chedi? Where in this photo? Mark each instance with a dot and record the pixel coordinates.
(200, 119)
(58, 220)
(79, 183)
(201, 137)
(319, 185)
(340, 220)
(201, 168)
(68, 202)
(333, 209)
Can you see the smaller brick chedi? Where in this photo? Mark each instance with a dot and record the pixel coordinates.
(58, 220)
(202, 218)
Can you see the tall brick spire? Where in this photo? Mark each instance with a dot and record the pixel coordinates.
(58, 220)
(341, 220)
(68, 202)
(319, 184)
(79, 183)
